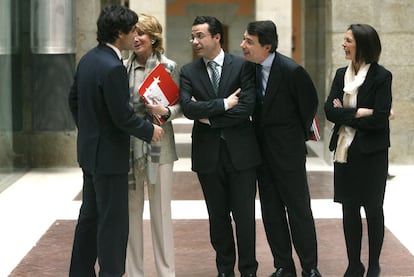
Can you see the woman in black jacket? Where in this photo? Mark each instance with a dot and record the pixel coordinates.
(359, 104)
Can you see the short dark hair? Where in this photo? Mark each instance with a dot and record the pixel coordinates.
(368, 44)
(266, 31)
(114, 19)
(214, 25)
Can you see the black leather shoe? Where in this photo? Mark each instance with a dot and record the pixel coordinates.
(231, 274)
(284, 272)
(311, 273)
(249, 275)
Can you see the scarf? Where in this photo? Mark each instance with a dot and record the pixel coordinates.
(144, 156)
(352, 83)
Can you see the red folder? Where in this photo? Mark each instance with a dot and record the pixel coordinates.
(159, 85)
(314, 130)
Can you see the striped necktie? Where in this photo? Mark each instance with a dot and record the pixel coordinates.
(215, 78)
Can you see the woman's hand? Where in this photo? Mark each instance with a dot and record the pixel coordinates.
(337, 103)
(362, 112)
(157, 108)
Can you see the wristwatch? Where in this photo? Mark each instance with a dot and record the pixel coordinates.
(166, 116)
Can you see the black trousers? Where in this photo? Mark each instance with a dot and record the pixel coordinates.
(231, 193)
(287, 215)
(102, 229)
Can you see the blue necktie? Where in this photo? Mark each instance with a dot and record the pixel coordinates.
(259, 82)
(215, 78)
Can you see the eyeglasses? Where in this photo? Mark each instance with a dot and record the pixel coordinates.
(197, 36)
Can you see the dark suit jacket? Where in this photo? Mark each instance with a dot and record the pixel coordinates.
(234, 125)
(284, 117)
(99, 102)
(375, 93)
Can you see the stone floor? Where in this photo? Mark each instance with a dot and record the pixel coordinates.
(38, 215)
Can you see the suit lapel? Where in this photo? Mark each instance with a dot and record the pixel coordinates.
(369, 80)
(205, 78)
(273, 83)
(226, 72)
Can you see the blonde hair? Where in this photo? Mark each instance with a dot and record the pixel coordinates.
(150, 25)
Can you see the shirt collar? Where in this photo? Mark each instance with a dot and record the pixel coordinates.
(136, 65)
(219, 59)
(117, 51)
(267, 63)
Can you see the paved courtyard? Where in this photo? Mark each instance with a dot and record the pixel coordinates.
(38, 214)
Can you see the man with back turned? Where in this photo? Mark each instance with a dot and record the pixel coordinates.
(99, 102)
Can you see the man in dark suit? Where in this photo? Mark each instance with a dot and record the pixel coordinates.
(99, 102)
(286, 104)
(225, 153)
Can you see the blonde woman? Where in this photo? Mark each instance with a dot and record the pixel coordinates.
(156, 177)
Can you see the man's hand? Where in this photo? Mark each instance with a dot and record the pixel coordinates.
(392, 115)
(233, 98)
(158, 133)
(205, 121)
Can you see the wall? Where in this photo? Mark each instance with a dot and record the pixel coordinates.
(394, 22)
(181, 14)
(314, 48)
(33, 135)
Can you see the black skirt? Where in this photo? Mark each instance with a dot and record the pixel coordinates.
(362, 180)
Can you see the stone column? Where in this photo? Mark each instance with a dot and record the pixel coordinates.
(313, 50)
(155, 8)
(87, 13)
(52, 44)
(6, 93)
(394, 24)
(280, 12)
